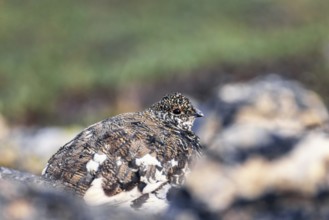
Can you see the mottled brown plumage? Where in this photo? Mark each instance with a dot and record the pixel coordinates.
(127, 156)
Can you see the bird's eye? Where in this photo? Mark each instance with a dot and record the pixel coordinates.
(176, 111)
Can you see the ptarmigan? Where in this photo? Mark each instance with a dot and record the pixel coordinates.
(132, 159)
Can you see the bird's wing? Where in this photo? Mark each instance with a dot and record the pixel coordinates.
(69, 163)
(135, 163)
(117, 160)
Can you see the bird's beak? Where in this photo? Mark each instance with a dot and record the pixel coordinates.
(198, 113)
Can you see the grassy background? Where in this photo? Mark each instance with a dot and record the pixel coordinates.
(70, 61)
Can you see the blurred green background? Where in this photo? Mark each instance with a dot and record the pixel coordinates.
(69, 61)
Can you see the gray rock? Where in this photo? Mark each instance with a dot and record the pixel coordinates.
(29, 197)
(267, 160)
(29, 148)
(293, 184)
(269, 102)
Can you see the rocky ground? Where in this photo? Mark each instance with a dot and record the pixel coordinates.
(29, 197)
(29, 149)
(267, 157)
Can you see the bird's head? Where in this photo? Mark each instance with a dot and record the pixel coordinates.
(177, 110)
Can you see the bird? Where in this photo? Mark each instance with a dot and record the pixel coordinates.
(133, 159)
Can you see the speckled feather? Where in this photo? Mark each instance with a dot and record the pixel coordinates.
(140, 151)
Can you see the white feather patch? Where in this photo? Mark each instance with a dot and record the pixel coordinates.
(92, 166)
(173, 162)
(99, 158)
(95, 195)
(147, 160)
(154, 204)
